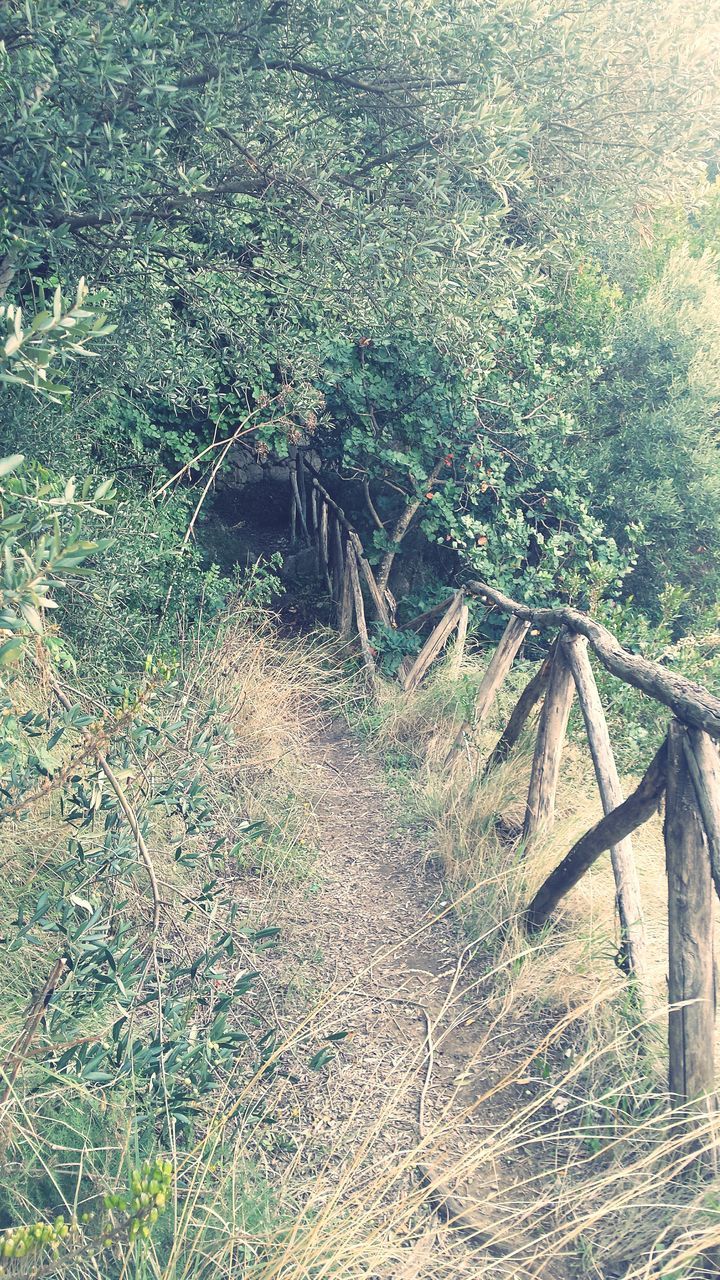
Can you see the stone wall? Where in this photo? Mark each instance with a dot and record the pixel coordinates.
(244, 467)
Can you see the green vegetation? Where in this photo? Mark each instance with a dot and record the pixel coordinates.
(468, 254)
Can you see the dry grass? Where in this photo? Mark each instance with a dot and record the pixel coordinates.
(349, 1208)
(628, 1202)
(572, 1166)
(474, 821)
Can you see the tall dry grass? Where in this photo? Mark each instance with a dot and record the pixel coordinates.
(629, 1200)
(572, 1169)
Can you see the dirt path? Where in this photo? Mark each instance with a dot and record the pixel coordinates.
(419, 1053)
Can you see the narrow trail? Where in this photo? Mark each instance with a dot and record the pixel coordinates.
(378, 935)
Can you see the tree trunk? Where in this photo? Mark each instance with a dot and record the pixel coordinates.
(540, 811)
(691, 975)
(610, 830)
(533, 693)
(371, 506)
(402, 525)
(8, 267)
(632, 929)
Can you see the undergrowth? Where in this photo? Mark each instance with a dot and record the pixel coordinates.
(155, 1099)
(571, 1106)
(119, 1041)
(603, 1063)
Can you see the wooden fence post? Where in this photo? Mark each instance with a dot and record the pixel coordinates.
(533, 693)
(412, 675)
(499, 666)
(352, 567)
(338, 565)
(540, 810)
(627, 885)
(293, 519)
(345, 614)
(458, 652)
(497, 670)
(376, 595)
(691, 976)
(302, 486)
(701, 754)
(294, 472)
(323, 546)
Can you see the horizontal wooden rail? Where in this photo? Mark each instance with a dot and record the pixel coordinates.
(689, 701)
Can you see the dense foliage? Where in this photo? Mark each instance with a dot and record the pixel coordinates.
(468, 253)
(379, 216)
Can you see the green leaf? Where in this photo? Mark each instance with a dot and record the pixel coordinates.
(321, 1058)
(32, 617)
(11, 650)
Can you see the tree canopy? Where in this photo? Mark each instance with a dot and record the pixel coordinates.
(399, 226)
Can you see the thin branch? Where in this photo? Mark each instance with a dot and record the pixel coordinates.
(122, 801)
(371, 505)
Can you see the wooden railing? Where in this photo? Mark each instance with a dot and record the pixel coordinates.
(685, 770)
(341, 559)
(318, 519)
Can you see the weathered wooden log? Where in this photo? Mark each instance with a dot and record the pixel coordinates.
(324, 547)
(293, 520)
(691, 971)
(610, 830)
(379, 602)
(360, 622)
(302, 486)
(633, 941)
(314, 525)
(552, 727)
(333, 505)
(435, 642)
(688, 700)
(338, 562)
(531, 695)
(345, 614)
(497, 670)
(701, 755)
(299, 503)
(458, 652)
